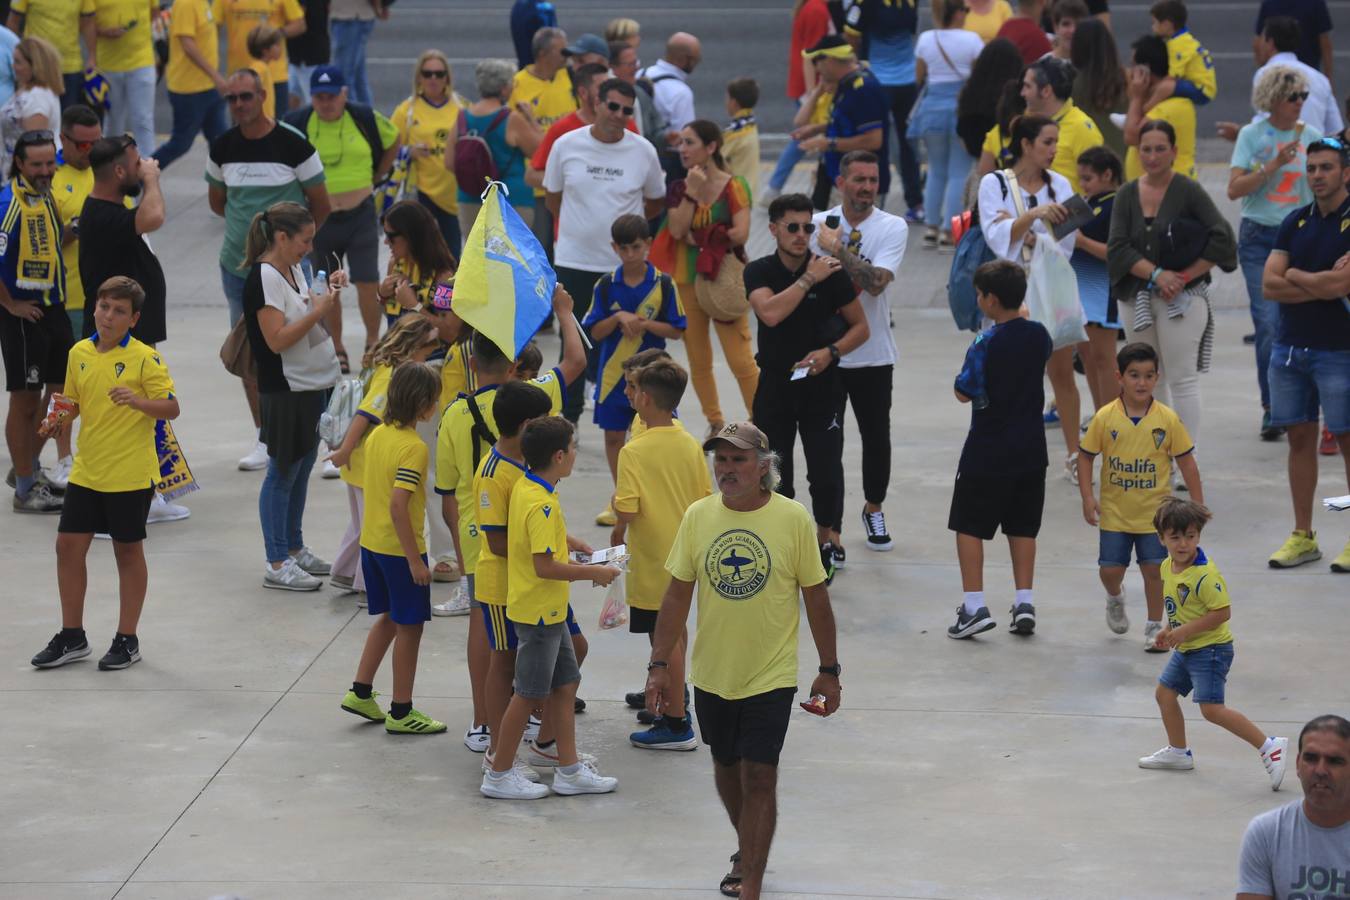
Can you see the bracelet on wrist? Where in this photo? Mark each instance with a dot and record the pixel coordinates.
(657, 664)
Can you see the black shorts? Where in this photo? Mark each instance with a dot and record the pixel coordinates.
(35, 352)
(752, 728)
(353, 235)
(982, 504)
(642, 621)
(118, 514)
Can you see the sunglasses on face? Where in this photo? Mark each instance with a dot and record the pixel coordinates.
(1298, 97)
(82, 146)
(804, 227)
(241, 97)
(617, 107)
(434, 73)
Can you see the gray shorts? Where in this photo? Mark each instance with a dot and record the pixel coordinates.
(545, 660)
(353, 234)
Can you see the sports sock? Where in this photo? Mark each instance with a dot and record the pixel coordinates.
(1120, 596)
(400, 710)
(1024, 596)
(571, 770)
(974, 600)
(37, 465)
(362, 691)
(1270, 742)
(23, 484)
(1155, 622)
(495, 775)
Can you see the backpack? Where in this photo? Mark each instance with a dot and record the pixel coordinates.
(474, 166)
(972, 251)
(480, 431)
(342, 406)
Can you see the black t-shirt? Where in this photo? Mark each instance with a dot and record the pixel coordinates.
(311, 48)
(109, 245)
(1007, 437)
(815, 323)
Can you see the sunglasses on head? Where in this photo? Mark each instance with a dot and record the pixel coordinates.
(241, 97)
(435, 73)
(619, 107)
(29, 138)
(804, 227)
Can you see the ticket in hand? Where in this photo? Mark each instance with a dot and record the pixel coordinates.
(610, 555)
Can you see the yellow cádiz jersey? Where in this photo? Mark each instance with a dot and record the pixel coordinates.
(57, 21)
(116, 449)
(661, 472)
(1136, 462)
(549, 100)
(996, 145)
(239, 17)
(134, 49)
(1180, 114)
(456, 376)
(70, 188)
(1077, 132)
(492, 485)
(750, 567)
(396, 460)
(431, 126)
(192, 19)
(372, 409)
(1188, 595)
(535, 525)
(1188, 59)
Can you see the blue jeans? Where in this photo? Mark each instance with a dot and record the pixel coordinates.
(281, 505)
(1303, 379)
(233, 286)
(948, 161)
(349, 54)
(202, 111)
(1255, 243)
(74, 83)
(447, 222)
(901, 98)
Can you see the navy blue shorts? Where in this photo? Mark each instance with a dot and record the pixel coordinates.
(501, 631)
(390, 589)
(1204, 669)
(614, 416)
(1113, 549)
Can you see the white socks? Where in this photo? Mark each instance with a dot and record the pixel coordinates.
(973, 601)
(1024, 596)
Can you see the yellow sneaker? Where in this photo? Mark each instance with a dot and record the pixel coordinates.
(1342, 562)
(1301, 547)
(607, 518)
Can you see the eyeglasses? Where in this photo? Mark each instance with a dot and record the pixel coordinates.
(82, 146)
(1298, 96)
(435, 73)
(241, 97)
(804, 227)
(29, 138)
(617, 107)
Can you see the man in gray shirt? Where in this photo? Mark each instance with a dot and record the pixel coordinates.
(1301, 851)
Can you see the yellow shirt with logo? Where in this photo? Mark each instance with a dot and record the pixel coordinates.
(70, 188)
(395, 460)
(192, 19)
(456, 376)
(535, 525)
(550, 100)
(1187, 58)
(750, 567)
(117, 444)
(496, 477)
(239, 17)
(1077, 132)
(1188, 595)
(372, 409)
(57, 21)
(1136, 462)
(432, 126)
(661, 472)
(134, 49)
(1180, 114)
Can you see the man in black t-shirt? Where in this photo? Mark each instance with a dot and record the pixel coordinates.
(809, 315)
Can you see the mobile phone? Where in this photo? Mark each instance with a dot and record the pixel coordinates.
(831, 221)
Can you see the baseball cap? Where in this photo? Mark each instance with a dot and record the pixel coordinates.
(738, 434)
(587, 43)
(831, 45)
(326, 80)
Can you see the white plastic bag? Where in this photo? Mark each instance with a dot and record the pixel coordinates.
(1052, 295)
(615, 611)
(342, 406)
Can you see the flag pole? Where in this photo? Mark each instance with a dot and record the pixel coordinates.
(582, 331)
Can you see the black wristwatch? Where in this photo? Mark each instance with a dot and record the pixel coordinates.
(834, 352)
(836, 670)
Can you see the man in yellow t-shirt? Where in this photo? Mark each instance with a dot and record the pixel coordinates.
(238, 18)
(193, 78)
(71, 184)
(545, 87)
(63, 23)
(749, 551)
(126, 58)
(1150, 59)
(1046, 86)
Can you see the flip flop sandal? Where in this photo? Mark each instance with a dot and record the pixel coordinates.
(731, 884)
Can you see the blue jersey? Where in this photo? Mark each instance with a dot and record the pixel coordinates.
(11, 244)
(653, 299)
(859, 107)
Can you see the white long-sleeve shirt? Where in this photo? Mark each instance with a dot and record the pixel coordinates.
(998, 229)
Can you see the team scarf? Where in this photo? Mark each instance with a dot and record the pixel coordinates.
(175, 477)
(39, 262)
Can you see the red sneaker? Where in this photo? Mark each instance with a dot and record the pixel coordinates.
(1328, 446)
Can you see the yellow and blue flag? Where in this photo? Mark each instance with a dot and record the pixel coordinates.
(504, 285)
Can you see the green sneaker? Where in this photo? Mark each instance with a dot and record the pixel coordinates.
(1342, 562)
(366, 709)
(1300, 548)
(413, 723)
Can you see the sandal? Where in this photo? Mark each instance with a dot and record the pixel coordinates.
(343, 363)
(731, 882)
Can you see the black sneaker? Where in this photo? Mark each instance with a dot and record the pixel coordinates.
(1270, 432)
(123, 652)
(968, 625)
(579, 706)
(646, 717)
(636, 699)
(60, 651)
(827, 560)
(878, 538)
(1023, 619)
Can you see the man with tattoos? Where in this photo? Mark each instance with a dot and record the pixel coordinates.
(869, 244)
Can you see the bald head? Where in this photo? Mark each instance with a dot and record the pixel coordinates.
(684, 51)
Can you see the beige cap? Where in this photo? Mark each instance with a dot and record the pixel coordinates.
(739, 434)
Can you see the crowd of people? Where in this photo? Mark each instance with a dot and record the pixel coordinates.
(1063, 181)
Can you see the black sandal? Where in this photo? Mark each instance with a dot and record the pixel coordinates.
(731, 883)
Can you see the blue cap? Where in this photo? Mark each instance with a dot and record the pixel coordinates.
(326, 80)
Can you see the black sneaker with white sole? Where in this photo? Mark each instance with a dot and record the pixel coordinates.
(1023, 619)
(838, 555)
(827, 560)
(61, 650)
(968, 625)
(123, 652)
(878, 538)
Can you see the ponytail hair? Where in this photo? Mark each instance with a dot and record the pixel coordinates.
(710, 133)
(285, 217)
(1028, 128)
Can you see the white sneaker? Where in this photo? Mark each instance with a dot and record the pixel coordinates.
(532, 728)
(517, 766)
(511, 786)
(478, 738)
(360, 599)
(162, 510)
(330, 471)
(1071, 468)
(1275, 761)
(312, 564)
(289, 577)
(547, 757)
(255, 460)
(1116, 619)
(1168, 758)
(585, 781)
(59, 474)
(457, 605)
(1151, 632)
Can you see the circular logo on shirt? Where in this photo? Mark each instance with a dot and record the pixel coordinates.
(737, 564)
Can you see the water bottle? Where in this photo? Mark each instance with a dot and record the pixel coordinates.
(319, 287)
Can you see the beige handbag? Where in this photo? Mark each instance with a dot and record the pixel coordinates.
(237, 354)
(723, 298)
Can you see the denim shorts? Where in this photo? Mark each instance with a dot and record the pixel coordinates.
(545, 659)
(1114, 548)
(1205, 669)
(1302, 379)
(233, 286)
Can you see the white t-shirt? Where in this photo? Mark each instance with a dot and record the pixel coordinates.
(36, 101)
(961, 47)
(599, 182)
(880, 241)
(998, 231)
(311, 363)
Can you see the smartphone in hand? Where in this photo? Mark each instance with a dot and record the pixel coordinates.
(832, 221)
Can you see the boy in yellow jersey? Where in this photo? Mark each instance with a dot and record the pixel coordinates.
(661, 472)
(740, 139)
(393, 552)
(630, 367)
(1198, 610)
(121, 387)
(1137, 438)
(635, 308)
(1190, 70)
(538, 575)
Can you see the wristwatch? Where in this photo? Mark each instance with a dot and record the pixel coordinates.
(834, 352)
(834, 670)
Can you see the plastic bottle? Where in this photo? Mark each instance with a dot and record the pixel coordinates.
(319, 286)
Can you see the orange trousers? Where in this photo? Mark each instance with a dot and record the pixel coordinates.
(736, 347)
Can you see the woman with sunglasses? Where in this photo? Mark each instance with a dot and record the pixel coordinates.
(425, 120)
(35, 104)
(1268, 176)
(709, 215)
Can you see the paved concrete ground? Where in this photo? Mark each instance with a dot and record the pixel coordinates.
(1000, 767)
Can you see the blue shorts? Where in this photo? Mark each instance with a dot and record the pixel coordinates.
(1113, 550)
(612, 416)
(1204, 669)
(501, 631)
(233, 286)
(390, 589)
(1303, 379)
